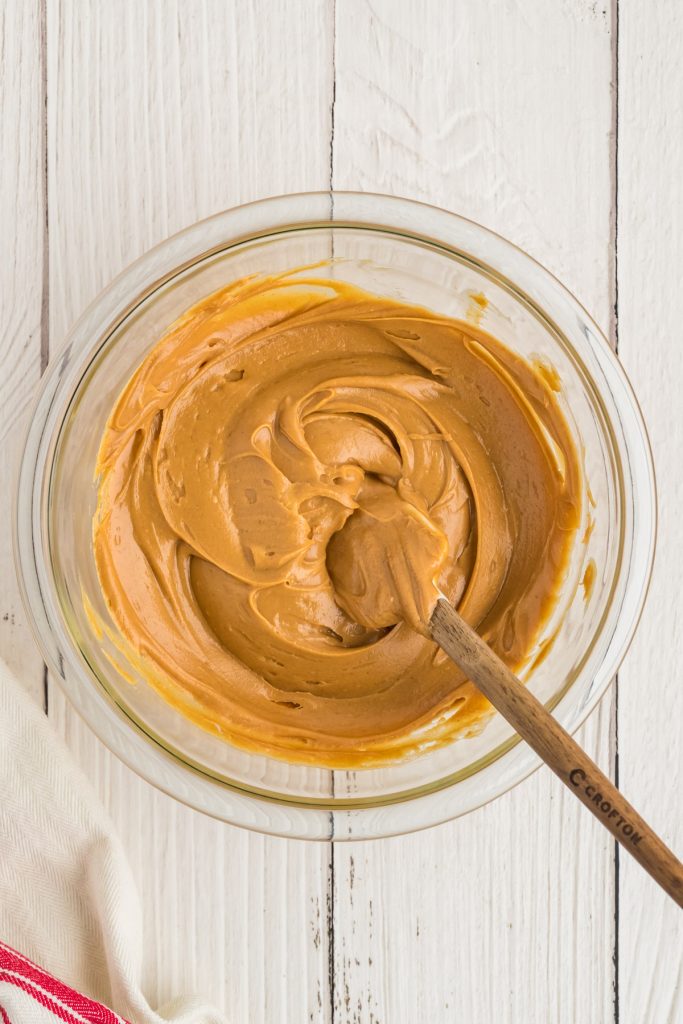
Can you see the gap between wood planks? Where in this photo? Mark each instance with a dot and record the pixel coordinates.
(331, 862)
(614, 339)
(45, 284)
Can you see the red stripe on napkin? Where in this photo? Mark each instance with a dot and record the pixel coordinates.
(65, 1003)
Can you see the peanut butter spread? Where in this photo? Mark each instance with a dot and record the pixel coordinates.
(290, 477)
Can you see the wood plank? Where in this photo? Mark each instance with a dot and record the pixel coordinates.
(650, 255)
(503, 113)
(160, 114)
(22, 216)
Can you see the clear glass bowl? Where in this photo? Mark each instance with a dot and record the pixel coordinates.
(396, 248)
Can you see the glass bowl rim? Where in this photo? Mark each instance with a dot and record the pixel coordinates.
(136, 746)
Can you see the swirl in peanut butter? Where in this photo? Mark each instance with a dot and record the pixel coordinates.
(292, 455)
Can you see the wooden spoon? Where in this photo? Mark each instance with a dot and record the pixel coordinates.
(555, 746)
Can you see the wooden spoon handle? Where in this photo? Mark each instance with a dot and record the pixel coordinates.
(559, 751)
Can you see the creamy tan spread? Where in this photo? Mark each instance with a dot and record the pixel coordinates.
(295, 468)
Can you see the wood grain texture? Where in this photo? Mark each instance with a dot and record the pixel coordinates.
(501, 112)
(650, 247)
(159, 114)
(21, 293)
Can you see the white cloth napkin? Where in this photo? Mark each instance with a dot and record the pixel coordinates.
(67, 896)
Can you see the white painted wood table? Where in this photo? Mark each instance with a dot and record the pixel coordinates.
(560, 125)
